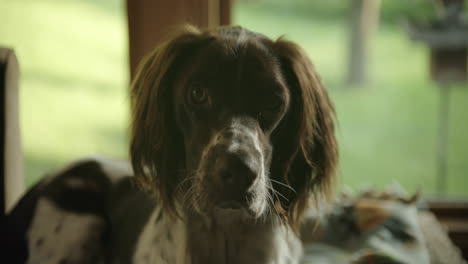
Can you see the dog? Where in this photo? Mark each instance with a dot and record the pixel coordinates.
(232, 140)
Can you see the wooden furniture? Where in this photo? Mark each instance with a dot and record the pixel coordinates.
(149, 21)
(453, 215)
(12, 183)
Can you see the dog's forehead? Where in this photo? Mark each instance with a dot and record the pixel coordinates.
(243, 64)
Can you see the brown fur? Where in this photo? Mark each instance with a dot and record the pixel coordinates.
(316, 153)
(305, 152)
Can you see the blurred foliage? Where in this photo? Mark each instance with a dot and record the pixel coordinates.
(392, 11)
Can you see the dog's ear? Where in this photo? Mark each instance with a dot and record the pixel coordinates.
(156, 144)
(305, 142)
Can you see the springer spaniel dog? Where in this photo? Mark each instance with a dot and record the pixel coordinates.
(232, 137)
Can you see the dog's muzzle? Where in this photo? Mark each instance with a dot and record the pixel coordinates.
(236, 165)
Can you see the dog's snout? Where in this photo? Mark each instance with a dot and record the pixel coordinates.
(233, 168)
(235, 173)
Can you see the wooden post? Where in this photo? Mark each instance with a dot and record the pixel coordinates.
(12, 181)
(448, 66)
(149, 21)
(442, 141)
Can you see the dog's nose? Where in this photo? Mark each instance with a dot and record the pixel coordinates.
(236, 171)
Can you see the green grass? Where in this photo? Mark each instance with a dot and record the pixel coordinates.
(74, 81)
(73, 59)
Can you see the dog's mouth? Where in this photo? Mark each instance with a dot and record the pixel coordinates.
(232, 211)
(233, 208)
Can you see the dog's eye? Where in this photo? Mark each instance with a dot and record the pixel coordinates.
(270, 110)
(198, 95)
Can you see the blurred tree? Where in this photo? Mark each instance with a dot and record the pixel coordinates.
(364, 16)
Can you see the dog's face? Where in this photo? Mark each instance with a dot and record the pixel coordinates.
(228, 102)
(230, 120)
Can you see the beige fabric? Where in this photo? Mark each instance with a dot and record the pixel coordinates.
(14, 177)
(441, 249)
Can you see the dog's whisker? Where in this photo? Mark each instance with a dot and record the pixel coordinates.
(187, 196)
(271, 208)
(283, 184)
(280, 194)
(276, 193)
(273, 192)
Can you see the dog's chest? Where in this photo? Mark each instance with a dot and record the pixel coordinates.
(239, 244)
(161, 241)
(194, 242)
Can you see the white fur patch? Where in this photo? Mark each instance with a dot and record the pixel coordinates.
(212, 242)
(259, 203)
(240, 130)
(154, 246)
(57, 235)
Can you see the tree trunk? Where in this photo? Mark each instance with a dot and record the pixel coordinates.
(364, 21)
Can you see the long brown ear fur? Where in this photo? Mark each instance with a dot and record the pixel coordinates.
(314, 154)
(156, 145)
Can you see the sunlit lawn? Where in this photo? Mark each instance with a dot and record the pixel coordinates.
(74, 78)
(73, 57)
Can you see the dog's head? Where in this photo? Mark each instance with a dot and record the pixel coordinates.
(229, 119)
